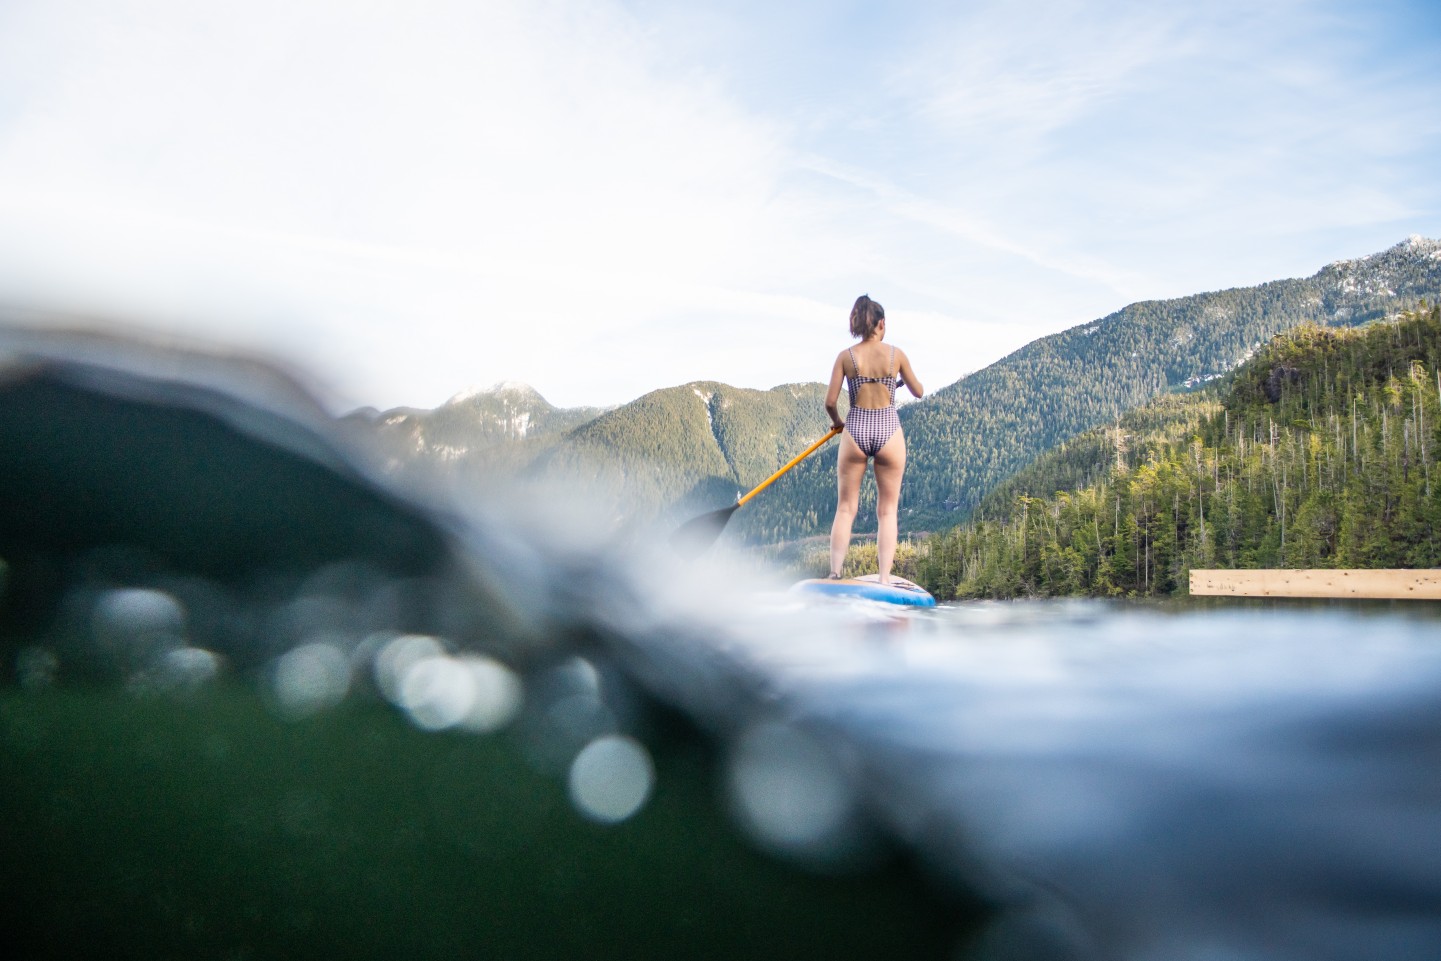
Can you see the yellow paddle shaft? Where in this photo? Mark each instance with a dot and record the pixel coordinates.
(793, 462)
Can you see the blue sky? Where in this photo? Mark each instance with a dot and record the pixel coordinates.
(601, 198)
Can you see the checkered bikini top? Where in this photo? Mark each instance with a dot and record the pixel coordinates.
(854, 381)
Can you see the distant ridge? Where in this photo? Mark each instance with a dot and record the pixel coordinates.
(973, 434)
(489, 424)
(505, 389)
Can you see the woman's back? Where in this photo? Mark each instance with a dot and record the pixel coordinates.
(871, 367)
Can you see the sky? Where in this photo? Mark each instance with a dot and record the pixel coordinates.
(406, 200)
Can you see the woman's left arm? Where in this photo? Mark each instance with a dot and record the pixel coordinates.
(908, 376)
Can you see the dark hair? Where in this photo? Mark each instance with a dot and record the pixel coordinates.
(866, 316)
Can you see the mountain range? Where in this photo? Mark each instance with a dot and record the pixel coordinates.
(973, 434)
(694, 446)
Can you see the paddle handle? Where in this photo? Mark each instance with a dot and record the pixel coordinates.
(793, 462)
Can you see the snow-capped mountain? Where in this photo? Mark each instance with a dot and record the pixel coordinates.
(1407, 268)
(474, 421)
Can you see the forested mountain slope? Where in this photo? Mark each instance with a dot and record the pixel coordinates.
(686, 448)
(973, 434)
(678, 449)
(1319, 452)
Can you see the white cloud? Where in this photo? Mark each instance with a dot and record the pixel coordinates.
(503, 178)
(1161, 150)
(1013, 73)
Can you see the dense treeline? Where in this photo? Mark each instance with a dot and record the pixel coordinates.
(1318, 452)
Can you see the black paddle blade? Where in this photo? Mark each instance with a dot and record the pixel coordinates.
(695, 536)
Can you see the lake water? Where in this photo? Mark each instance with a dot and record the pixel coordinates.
(1064, 779)
(1157, 782)
(259, 703)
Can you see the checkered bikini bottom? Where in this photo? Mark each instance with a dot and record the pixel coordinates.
(871, 427)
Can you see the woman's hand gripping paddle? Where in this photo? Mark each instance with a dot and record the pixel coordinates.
(694, 536)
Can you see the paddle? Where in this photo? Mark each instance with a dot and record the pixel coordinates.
(697, 534)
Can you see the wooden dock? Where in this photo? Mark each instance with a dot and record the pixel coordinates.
(1421, 585)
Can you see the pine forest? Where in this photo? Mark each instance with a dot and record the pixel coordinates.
(1320, 451)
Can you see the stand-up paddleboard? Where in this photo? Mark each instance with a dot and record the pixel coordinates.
(869, 586)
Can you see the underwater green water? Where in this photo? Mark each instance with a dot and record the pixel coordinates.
(144, 827)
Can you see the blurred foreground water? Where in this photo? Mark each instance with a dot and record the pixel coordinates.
(260, 703)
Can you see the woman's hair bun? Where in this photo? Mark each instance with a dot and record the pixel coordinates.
(866, 316)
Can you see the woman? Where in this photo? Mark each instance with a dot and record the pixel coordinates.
(872, 431)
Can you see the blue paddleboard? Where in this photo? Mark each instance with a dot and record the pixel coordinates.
(869, 586)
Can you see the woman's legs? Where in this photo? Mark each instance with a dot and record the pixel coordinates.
(850, 470)
(890, 466)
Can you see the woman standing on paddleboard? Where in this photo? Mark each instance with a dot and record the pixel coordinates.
(872, 371)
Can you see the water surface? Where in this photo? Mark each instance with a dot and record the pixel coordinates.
(1148, 781)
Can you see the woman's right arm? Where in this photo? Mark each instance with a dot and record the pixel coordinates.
(833, 392)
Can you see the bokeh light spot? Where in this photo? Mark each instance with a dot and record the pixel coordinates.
(310, 679)
(788, 792)
(137, 624)
(611, 779)
(187, 669)
(36, 668)
(437, 693)
(498, 695)
(397, 656)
